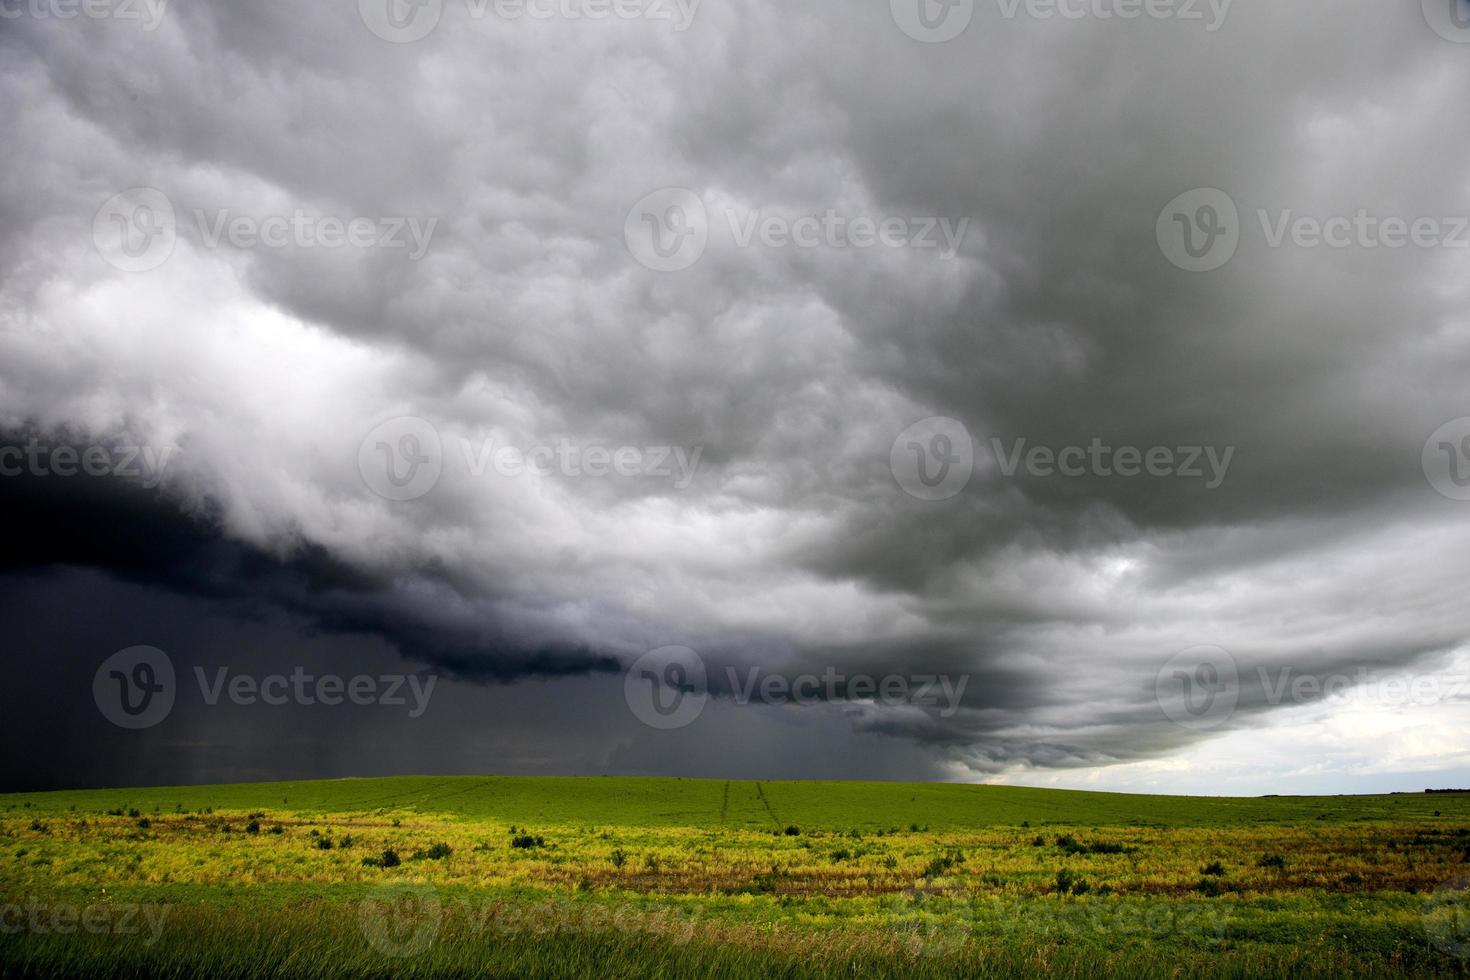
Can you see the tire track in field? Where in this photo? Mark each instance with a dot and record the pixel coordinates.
(767, 804)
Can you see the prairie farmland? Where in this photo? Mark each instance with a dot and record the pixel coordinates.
(501, 876)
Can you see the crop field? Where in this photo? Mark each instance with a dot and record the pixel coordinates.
(494, 876)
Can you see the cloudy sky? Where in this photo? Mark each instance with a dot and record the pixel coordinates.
(1061, 392)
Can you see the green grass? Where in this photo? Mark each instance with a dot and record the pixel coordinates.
(678, 878)
(634, 802)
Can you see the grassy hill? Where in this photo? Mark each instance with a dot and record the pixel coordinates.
(734, 804)
(487, 876)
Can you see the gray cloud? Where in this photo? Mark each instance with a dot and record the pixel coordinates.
(791, 370)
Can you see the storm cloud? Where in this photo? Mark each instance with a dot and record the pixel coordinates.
(421, 385)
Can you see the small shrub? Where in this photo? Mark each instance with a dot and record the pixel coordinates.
(437, 852)
(1210, 887)
(525, 842)
(618, 857)
(253, 827)
(1214, 868)
(942, 863)
(277, 829)
(144, 823)
(840, 855)
(1065, 881)
(1038, 841)
(792, 831)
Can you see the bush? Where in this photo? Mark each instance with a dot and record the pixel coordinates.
(943, 863)
(618, 857)
(1214, 868)
(1210, 887)
(324, 843)
(144, 823)
(436, 852)
(792, 831)
(525, 842)
(389, 859)
(253, 827)
(1065, 881)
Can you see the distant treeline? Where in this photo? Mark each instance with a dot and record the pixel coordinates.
(1447, 791)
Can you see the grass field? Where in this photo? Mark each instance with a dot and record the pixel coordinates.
(493, 876)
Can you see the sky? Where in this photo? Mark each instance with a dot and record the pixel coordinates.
(1045, 392)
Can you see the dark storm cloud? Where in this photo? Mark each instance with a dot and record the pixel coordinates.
(116, 526)
(791, 371)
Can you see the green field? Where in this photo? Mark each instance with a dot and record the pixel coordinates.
(498, 876)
